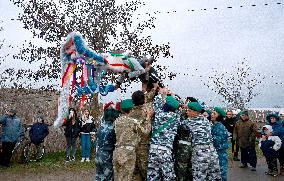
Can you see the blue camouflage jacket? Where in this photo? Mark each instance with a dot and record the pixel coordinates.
(166, 136)
(12, 128)
(200, 130)
(220, 136)
(106, 137)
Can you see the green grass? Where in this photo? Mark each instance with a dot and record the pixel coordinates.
(52, 162)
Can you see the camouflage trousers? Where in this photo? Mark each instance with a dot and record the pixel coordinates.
(205, 163)
(124, 160)
(183, 164)
(142, 161)
(223, 162)
(160, 164)
(104, 167)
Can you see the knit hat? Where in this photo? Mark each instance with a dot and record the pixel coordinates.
(126, 105)
(107, 105)
(171, 101)
(194, 106)
(220, 111)
(245, 112)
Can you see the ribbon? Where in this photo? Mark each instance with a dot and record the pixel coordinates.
(69, 71)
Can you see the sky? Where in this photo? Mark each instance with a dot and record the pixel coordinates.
(204, 39)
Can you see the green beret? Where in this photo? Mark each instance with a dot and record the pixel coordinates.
(126, 105)
(208, 111)
(220, 111)
(171, 101)
(194, 106)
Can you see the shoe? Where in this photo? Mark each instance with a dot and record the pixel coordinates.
(253, 169)
(73, 158)
(243, 166)
(268, 172)
(274, 173)
(236, 159)
(67, 159)
(282, 171)
(83, 159)
(87, 159)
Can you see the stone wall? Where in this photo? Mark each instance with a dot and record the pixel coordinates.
(28, 103)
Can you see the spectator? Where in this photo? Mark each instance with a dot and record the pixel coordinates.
(12, 132)
(88, 128)
(38, 132)
(72, 127)
(278, 130)
(105, 145)
(269, 146)
(230, 123)
(220, 140)
(244, 133)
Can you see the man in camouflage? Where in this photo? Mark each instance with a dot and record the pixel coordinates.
(143, 114)
(124, 155)
(166, 122)
(183, 153)
(205, 163)
(105, 145)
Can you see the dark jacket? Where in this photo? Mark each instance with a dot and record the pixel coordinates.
(267, 149)
(72, 130)
(277, 127)
(229, 124)
(38, 132)
(245, 133)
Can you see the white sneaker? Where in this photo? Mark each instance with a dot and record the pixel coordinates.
(83, 159)
(87, 160)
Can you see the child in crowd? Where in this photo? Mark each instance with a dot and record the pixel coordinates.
(269, 146)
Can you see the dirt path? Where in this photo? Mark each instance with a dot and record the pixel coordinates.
(234, 174)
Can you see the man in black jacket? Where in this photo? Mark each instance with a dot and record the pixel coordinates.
(230, 123)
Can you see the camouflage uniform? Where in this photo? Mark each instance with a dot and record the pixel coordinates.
(144, 129)
(105, 145)
(183, 154)
(160, 163)
(220, 142)
(205, 163)
(124, 155)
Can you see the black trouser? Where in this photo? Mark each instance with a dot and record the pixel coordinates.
(235, 152)
(248, 155)
(7, 148)
(281, 156)
(271, 163)
(71, 146)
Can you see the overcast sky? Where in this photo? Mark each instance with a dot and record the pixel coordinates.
(205, 39)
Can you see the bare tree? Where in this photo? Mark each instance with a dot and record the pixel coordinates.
(237, 87)
(105, 25)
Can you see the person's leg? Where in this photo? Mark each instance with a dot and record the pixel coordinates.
(153, 165)
(268, 161)
(73, 146)
(244, 157)
(68, 147)
(281, 159)
(7, 148)
(88, 147)
(252, 159)
(83, 146)
(274, 166)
